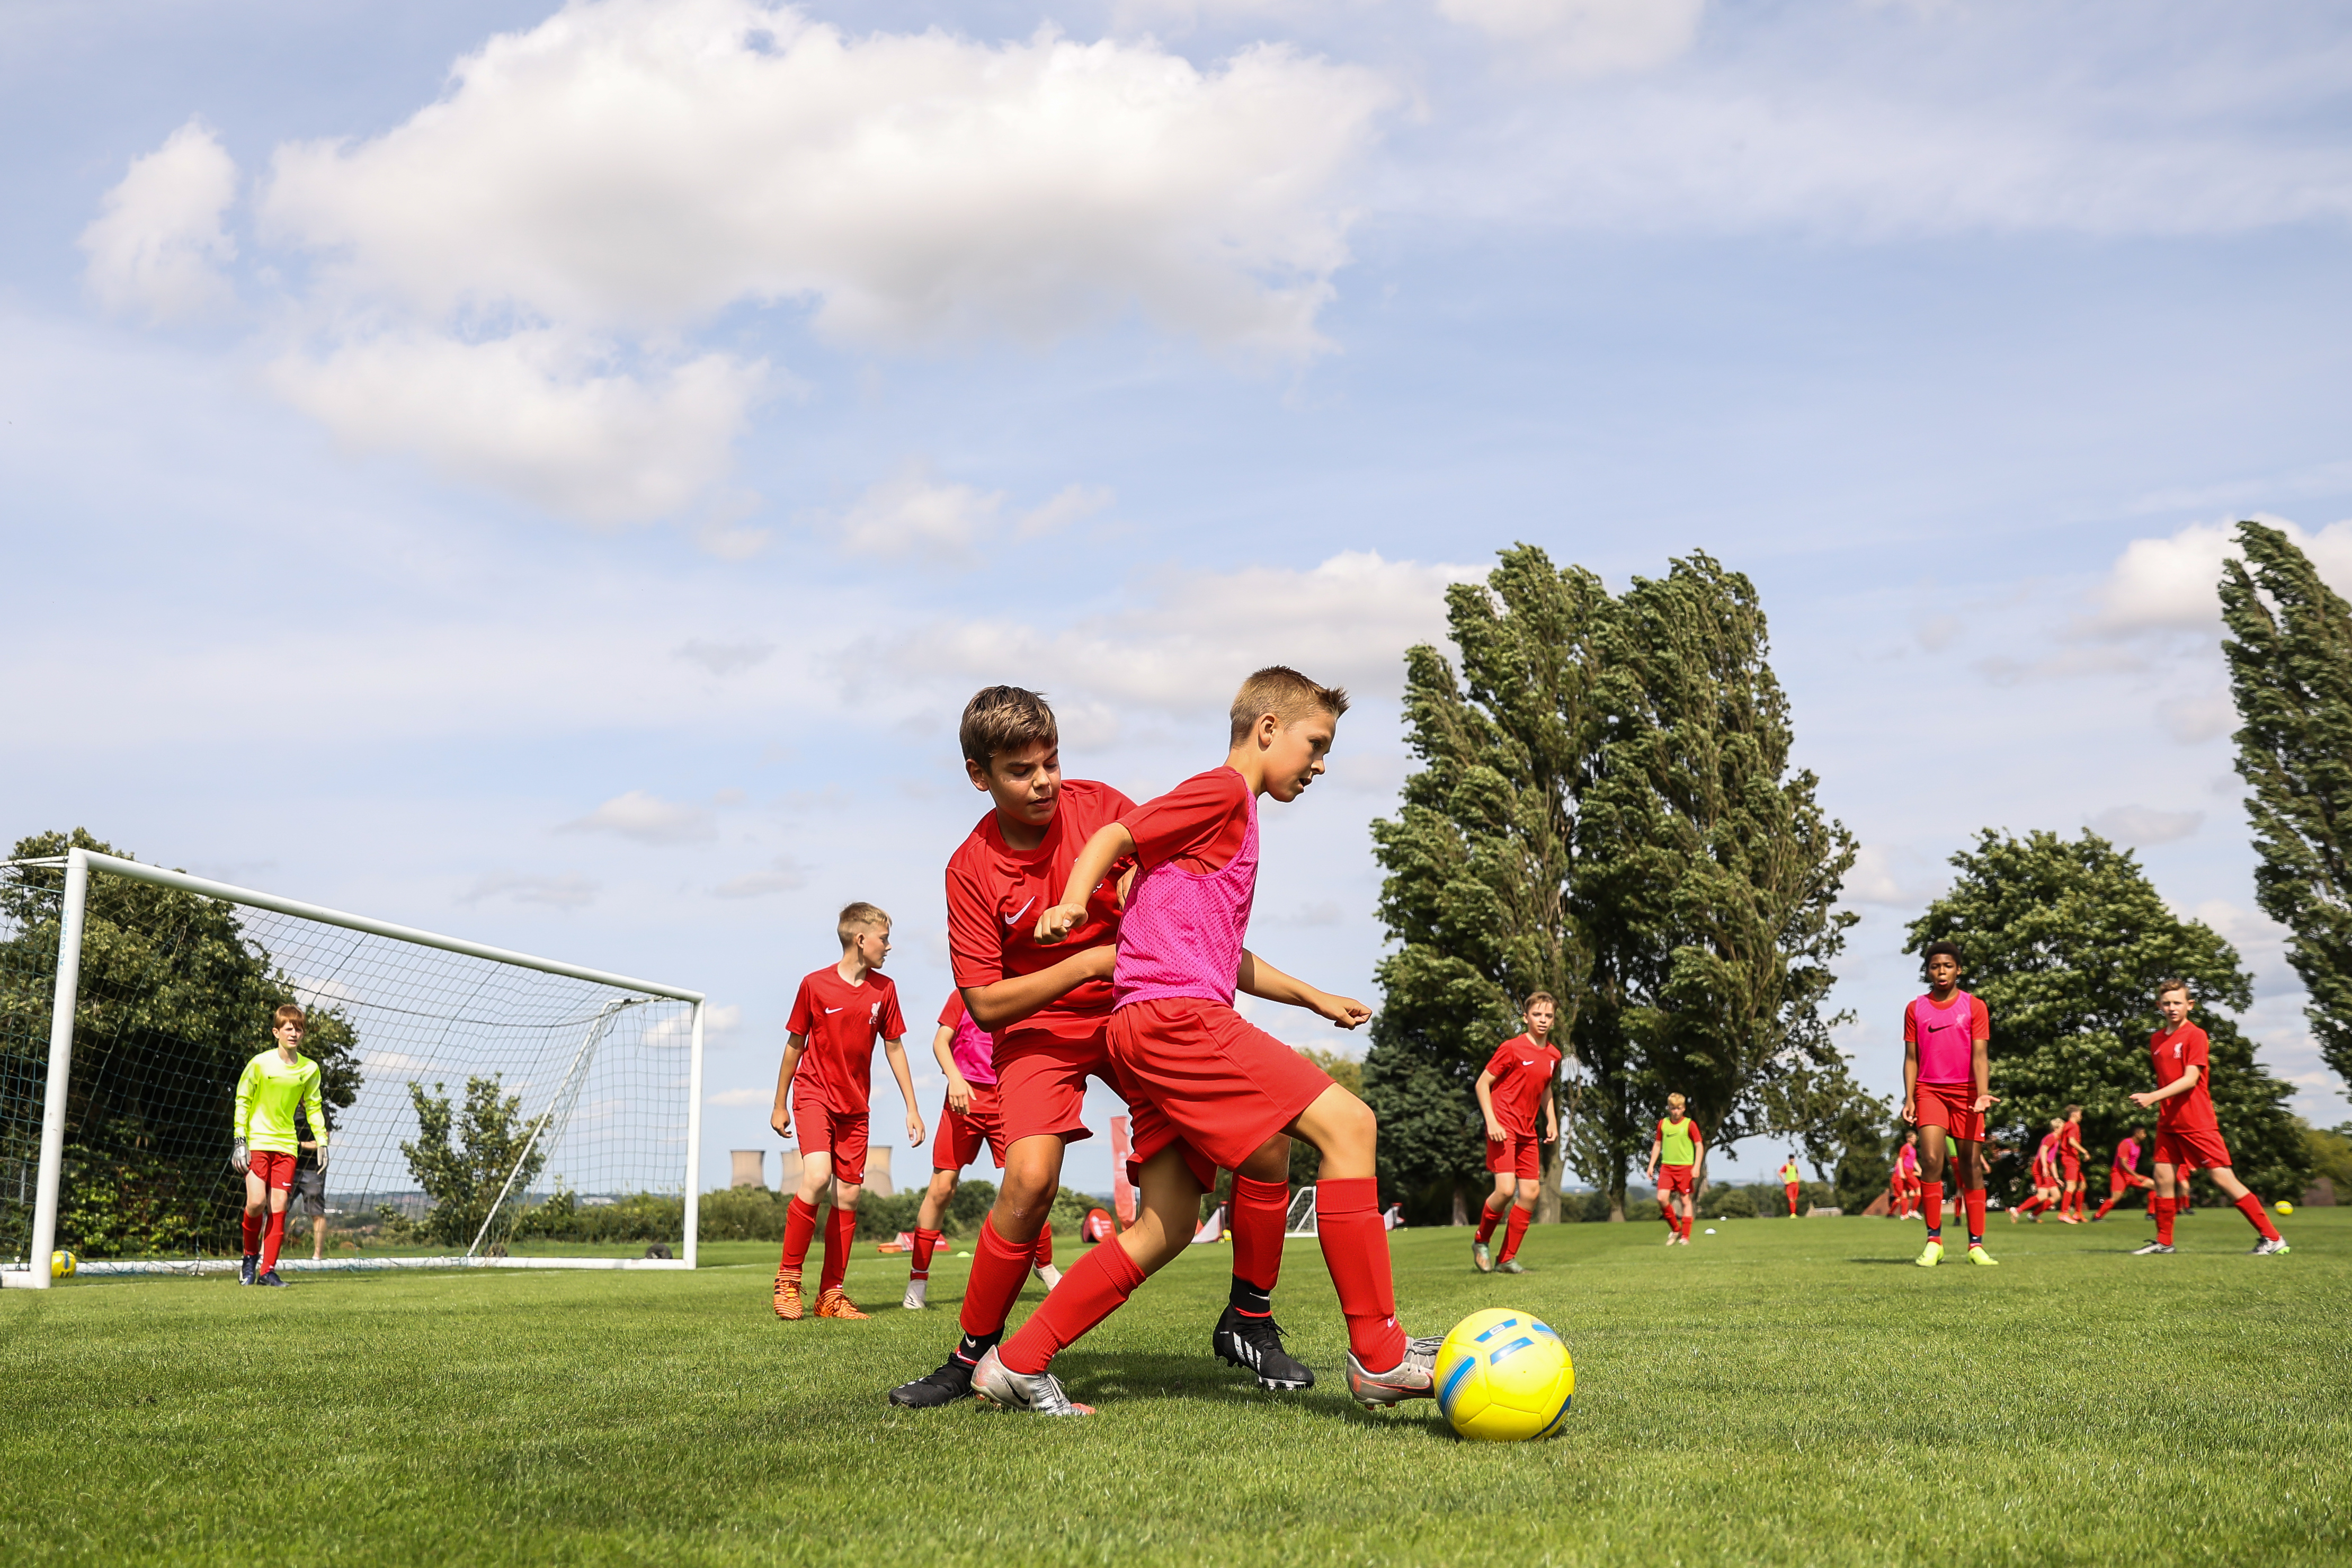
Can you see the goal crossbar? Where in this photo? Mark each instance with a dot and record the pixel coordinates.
(79, 863)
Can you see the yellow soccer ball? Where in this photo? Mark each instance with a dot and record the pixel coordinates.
(62, 1264)
(1504, 1378)
(2284, 1206)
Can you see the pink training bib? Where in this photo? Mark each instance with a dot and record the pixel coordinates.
(1946, 1038)
(973, 1052)
(1181, 934)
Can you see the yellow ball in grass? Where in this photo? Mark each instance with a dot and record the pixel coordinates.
(1504, 1378)
(62, 1264)
(2284, 1206)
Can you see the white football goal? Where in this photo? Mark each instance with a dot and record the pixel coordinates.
(484, 1107)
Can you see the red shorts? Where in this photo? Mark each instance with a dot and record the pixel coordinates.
(1199, 1076)
(1945, 1105)
(2198, 1146)
(2073, 1169)
(2124, 1181)
(962, 1133)
(1515, 1156)
(276, 1170)
(840, 1133)
(1674, 1179)
(1041, 1084)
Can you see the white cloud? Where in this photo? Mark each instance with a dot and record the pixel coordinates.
(1883, 877)
(1075, 503)
(909, 515)
(2193, 720)
(725, 658)
(1582, 37)
(1195, 633)
(739, 1097)
(158, 245)
(2141, 825)
(2173, 584)
(569, 891)
(647, 819)
(543, 415)
(782, 875)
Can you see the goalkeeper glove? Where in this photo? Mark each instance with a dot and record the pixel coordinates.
(319, 1155)
(238, 1160)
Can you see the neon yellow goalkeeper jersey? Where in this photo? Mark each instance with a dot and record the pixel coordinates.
(266, 1093)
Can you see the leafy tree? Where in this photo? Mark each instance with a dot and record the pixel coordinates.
(465, 1178)
(2065, 940)
(1603, 809)
(175, 998)
(2290, 653)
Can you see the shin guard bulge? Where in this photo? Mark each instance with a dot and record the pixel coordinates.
(1974, 1201)
(252, 1234)
(1931, 1203)
(840, 1236)
(800, 1229)
(272, 1239)
(2251, 1207)
(999, 1270)
(2164, 1220)
(1356, 1250)
(1092, 1290)
(1259, 1211)
(926, 1243)
(1514, 1232)
(1489, 1218)
(1042, 1255)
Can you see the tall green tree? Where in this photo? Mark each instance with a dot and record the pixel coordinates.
(2290, 653)
(174, 999)
(1602, 808)
(463, 1157)
(2065, 940)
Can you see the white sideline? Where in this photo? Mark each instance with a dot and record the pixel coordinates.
(22, 1279)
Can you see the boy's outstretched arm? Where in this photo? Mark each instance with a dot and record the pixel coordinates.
(1111, 843)
(1260, 978)
(2181, 1085)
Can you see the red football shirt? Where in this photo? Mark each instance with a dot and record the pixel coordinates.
(840, 1023)
(1199, 825)
(995, 894)
(1523, 1070)
(2173, 1055)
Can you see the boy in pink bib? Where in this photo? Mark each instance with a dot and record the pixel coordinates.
(1207, 1088)
(1945, 1075)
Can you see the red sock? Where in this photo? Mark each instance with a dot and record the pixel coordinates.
(1514, 1232)
(800, 1229)
(1487, 1218)
(1259, 1211)
(840, 1236)
(999, 1270)
(1931, 1194)
(2251, 1207)
(1356, 1251)
(271, 1238)
(1974, 1199)
(2105, 1207)
(1092, 1290)
(2164, 1221)
(926, 1243)
(252, 1234)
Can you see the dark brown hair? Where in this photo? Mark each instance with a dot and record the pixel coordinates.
(1001, 719)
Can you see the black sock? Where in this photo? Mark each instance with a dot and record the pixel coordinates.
(1248, 1298)
(973, 1346)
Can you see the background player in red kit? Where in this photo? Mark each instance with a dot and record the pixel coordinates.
(2072, 1157)
(968, 1120)
(1516, 1079)
(1946, 1078)
(1047, 1007)
(2185, 1127)
(2123, 1175)
(825, 1085)
(1675, 1150)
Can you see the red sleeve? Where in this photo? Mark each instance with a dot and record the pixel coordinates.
(1502, 1061)
(893, 1022)
(1979, 1021)
(975, 945)
(802, 1014)
(952, 1014)
(1910, 1024)
(2194, 1050)
(1190, 819)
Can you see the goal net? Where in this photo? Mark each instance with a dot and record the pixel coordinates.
(482, 1106)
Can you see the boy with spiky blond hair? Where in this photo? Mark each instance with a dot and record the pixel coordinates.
(1207, 1087)
(826, 1084)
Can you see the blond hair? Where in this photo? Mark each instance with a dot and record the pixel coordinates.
(1676, 1103)
(1528, 1005)
(859, 917)
(1287, 695)
(1001, 719)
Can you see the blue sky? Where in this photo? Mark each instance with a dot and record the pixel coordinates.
(554, 476)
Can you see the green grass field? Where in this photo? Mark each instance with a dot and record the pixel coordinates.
(1783, 1392)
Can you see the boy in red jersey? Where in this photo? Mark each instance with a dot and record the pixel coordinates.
(2123, 1174)
(1207, 1087)
(1947, 1076)
(2072, 1157)
(1048, 1006)
(968, 1118)
(1516, 1078)
(1906, 1178)
(1678, 1142)
(2043, 1172)
(2185, 1127)
(826, 1084)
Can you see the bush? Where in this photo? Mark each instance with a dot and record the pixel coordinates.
(1728, 1203)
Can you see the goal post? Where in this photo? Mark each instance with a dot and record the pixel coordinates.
(484, 1102)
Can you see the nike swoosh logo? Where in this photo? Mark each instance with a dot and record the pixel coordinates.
(1024, 909)
(833, 1009)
